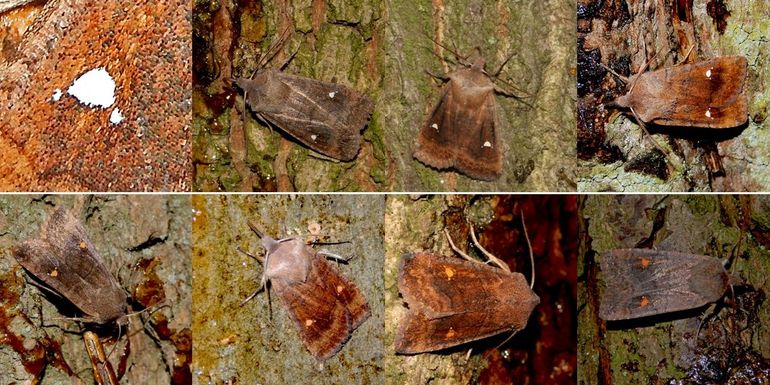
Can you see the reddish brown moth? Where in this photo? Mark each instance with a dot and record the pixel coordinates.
(453, 301)
(65, 260)
(326, 117)
(325, 306)
(643, 282)
(708, 94)
(462, 131)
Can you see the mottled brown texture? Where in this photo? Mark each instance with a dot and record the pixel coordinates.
(643, 282)
(453, 301)
(708, 94)
(325, 306)
(67, 262)
(67, 146)
(326, 117)
(463, 129)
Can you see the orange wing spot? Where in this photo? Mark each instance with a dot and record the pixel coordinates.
(82, 245)
(54, 273)
(645, 263)
(449, 272)
(309, 322)
(644, 302)
(340, 288)
(450, 334)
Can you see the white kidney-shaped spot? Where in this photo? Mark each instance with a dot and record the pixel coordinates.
(434, 125)
(332, 94)
(708, 73)
(487, 144)
(56, 95)
(116, 117)
(314, 137)
(708, 113)
(95, 88)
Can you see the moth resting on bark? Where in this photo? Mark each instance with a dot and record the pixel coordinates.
(326, 117)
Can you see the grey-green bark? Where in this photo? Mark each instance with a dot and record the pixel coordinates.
(243, 343)
(656, 352)
(48, 344)
(383, 48)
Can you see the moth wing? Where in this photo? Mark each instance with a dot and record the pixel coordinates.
(705, 94)
(345, 291)
(642, 282)
(66, 260)
(453, 301)
(324, 321)
(327, 117)
(438, 138)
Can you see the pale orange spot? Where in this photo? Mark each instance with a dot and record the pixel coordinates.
(451, 333)
(82, 245)
(644, 302)
(309, 322)
(450, 272)
(340, 288)
(645, 263)
(54, 273)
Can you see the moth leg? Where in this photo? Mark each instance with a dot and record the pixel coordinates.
(617, 75)
(43, 287)
(443, 78)
(258, 258)
(333, 256)
(652, 140)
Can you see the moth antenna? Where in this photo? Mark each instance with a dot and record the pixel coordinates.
(507, 339)
(624, 79)
(510, 94)
(254, 228)
(457, 250)
(688, 54)
(250, 297)
(438, 56)
(529, 246)
(273, 49)
(259, 259)
(644, 68)
(452, 51)
(443, 78)
(490, 256)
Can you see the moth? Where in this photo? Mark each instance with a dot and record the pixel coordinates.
(707, 94)
(325, 306)
(463, 129)
(452, 301)
(326, 117)
(65, 260)
(644, 282)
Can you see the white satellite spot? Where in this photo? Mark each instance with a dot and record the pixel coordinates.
(313, 137)
(487, 144)
(708, 113)
(56, 95)
(116, 117)
(332, 94)
(434, 125)
(94, 88)
(708, 73)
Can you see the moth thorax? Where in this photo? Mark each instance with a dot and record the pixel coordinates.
(291, 262)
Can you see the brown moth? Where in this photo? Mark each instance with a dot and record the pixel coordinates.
(325, 306)
(462, 131)
(453, 301)
(644, 282)
(708, 94)
(326, 117)
(66, 261)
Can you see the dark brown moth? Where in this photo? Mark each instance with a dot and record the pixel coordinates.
(103, 372)
(644, 282)
(65, 260)
(462, 131)
(708, 94)
(453, 301)
(326, 117)
(325, 306)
